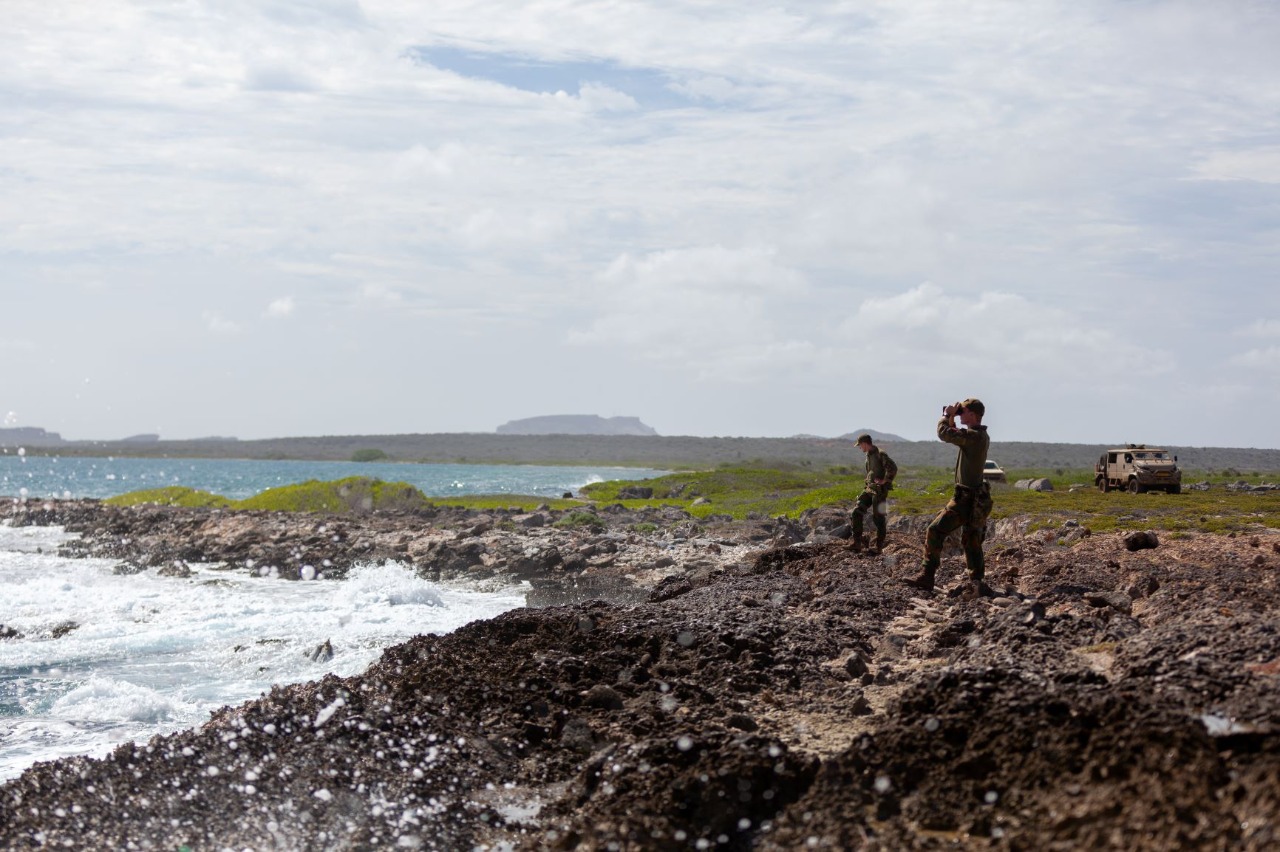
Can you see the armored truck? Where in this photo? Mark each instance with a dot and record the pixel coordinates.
(1138, 468)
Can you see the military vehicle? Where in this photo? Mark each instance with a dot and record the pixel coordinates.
(1138, 468)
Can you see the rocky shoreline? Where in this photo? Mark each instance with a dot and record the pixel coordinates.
(686, 684)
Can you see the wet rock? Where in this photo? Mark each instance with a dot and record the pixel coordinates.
(322, 653)
(535, 562)
(175, 568)
(62, 629)
(635, 492)
(1135, 541)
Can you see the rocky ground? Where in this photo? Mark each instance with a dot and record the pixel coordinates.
(717, 685)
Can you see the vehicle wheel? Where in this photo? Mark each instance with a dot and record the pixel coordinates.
(1134, 487)
(1100, 482)
(1175, 489)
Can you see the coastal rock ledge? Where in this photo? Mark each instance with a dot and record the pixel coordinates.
(736, 688)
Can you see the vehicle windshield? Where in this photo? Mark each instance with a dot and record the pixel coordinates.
(1149, 455)
(991, 465)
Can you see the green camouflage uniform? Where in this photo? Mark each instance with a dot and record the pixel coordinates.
(874, 496)
(970, 506)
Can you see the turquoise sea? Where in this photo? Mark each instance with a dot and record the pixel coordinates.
(44, 477)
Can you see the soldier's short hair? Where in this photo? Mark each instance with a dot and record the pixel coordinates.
(864, 438)
(974, 405)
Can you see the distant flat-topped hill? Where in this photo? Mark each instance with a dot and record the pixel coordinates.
(575, 424)
(878, 437)
(17, 435)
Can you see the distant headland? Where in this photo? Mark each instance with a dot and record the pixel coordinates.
(652, 451)
(576, 424)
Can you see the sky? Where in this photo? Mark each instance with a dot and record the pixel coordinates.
(268, 218)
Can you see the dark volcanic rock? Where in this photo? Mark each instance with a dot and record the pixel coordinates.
(799, 697)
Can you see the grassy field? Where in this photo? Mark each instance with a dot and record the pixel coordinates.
(741, 493)
(771, 492)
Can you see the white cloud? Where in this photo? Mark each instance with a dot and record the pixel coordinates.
(604, 98)
(708, 88)
(1267, 358)
(917, 331)
(377, 293)
(281, 307)
(219, 324)
(1261, 328)
(705, 309)
(1258, 164)
(440, 162)
(276, 78)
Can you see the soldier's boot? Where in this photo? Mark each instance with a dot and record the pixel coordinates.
(857, 543)
(879, 546)
(980, 587)
(924, 580)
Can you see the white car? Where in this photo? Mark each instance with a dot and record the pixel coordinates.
(992, 472)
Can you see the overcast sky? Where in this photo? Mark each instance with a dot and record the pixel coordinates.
(265, 218)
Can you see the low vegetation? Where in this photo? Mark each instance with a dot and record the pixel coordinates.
(743, 493)
(174, 495)
(580, 520)
(747, 492)
(351, 495)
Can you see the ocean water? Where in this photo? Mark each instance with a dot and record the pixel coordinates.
(42, 477)
(102, 659)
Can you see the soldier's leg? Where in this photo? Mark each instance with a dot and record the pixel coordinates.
(971, 538)
(975, 534)
(878, 518)
(946, 521)
(855, 521)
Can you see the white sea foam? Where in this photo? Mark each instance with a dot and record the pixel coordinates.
(106, 700)
(103, 658)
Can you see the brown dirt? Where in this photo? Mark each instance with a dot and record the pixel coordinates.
(782, 697)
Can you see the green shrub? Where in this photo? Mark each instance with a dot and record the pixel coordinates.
(353, 494)
(580, 520)
(368, 455)
(173, 495)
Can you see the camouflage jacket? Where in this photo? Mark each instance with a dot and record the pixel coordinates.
(972, 457)
(880, 466)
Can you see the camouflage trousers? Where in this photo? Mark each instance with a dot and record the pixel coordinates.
(874, 498)
(968, 511)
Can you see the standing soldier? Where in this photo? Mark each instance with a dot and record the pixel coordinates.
(880, 473)
(970, 505)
